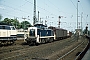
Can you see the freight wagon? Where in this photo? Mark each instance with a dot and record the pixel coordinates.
(58, 32)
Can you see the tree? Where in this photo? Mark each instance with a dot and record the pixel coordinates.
(89, 33)
(6, 20)
(25, 24)
(14, 22)
(86, 32)
(0, 17)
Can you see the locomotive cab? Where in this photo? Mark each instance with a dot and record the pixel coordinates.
(32, 35)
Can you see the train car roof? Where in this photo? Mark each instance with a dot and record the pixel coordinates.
(40, 26)
(5, 24)
(56, 28)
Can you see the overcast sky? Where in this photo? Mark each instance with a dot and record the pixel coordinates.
(49, 10)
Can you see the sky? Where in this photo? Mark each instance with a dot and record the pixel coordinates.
(49, 10)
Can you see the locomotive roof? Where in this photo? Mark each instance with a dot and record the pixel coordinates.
(38, 24)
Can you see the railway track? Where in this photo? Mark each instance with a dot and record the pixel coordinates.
(38, 52)
(75, 52)
(19, 44)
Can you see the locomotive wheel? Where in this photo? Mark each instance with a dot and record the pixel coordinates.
(51, 40)
(43, 41)
(36, 44)
(30, 43)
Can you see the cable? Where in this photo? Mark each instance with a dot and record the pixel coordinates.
(73, 4)
(59, 9)
(42, 8)
(15, 8)
(11, 15)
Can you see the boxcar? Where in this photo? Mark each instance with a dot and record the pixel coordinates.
(59, 33)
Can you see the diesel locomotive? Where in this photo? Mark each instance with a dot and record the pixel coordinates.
(39, 33)
(8, 33)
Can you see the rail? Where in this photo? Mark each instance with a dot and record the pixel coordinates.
(69, 52)
(83, 52)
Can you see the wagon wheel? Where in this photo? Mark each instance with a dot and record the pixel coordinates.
(31, 43)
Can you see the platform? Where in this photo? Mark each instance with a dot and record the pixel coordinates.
(87, 55)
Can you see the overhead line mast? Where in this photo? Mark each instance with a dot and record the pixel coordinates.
(34, 17)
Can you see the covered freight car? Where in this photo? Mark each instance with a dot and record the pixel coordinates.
(59, 33)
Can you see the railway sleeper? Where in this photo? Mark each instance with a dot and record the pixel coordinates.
(7, 42)
(39, 59)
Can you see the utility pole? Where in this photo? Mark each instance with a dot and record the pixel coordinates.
(24, 27)
(81, 20)
(34, 17)
(77, 14)
(24, 22)
(86, 19)
(45, 22)
(16, 22)
(81, 24)
(77, 32)
(59, 22)
(38, 16)
(87, 30)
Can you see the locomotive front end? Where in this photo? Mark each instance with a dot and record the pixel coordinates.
(32, 35)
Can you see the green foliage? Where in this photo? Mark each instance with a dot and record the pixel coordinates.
(25, 24)
(6, 20)
(0, 17)
(17, 24)
(88, 32)
(85, 31)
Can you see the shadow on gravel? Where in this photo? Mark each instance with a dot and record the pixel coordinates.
(5, 45)
(24, 43)
(39, 59)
